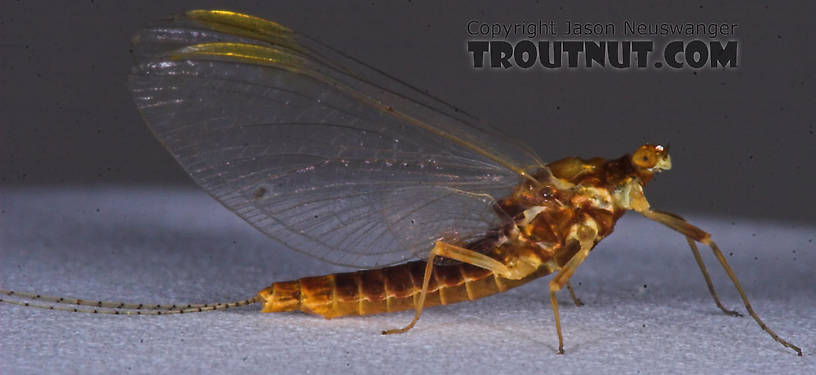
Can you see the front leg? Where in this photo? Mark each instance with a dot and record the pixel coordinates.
(693, 233)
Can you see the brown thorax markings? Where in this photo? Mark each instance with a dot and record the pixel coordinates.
(548, 216)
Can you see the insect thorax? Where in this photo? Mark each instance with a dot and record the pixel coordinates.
(545, 214)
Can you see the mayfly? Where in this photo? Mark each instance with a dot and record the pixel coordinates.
(336, 159)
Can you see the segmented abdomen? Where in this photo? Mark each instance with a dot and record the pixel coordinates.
(386, 289)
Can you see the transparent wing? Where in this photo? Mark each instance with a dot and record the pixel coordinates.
(317, 150)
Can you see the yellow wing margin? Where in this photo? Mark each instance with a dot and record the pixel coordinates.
(245, 25)
(298, 61)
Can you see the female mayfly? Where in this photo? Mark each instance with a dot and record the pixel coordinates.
(336, 159)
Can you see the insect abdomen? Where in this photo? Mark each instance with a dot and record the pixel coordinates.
(385, 290)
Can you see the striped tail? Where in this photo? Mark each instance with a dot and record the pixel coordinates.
(71, 304)
(388, 289)
(365, 292)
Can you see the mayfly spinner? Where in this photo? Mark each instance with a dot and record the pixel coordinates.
(336, 159)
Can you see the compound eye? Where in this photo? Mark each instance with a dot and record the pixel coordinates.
(646, 156)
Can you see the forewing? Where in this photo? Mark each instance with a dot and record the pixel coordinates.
(330, 157)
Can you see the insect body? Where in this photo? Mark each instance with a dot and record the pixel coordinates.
(334, 158)
(545, 230)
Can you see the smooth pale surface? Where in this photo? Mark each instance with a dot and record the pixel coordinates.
(647, 309)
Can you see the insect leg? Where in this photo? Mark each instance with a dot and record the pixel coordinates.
(575, 299)
(453, 252)
(690, 231)
(707, 278)
(585, 235)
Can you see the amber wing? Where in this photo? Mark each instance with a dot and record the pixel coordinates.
(319, 151)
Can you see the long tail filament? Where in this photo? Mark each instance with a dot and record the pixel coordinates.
(115, 308)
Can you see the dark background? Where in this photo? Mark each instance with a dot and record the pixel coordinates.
(742, 140)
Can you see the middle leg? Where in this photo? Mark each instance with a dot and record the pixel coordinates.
(577, 301)
(585, 235)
